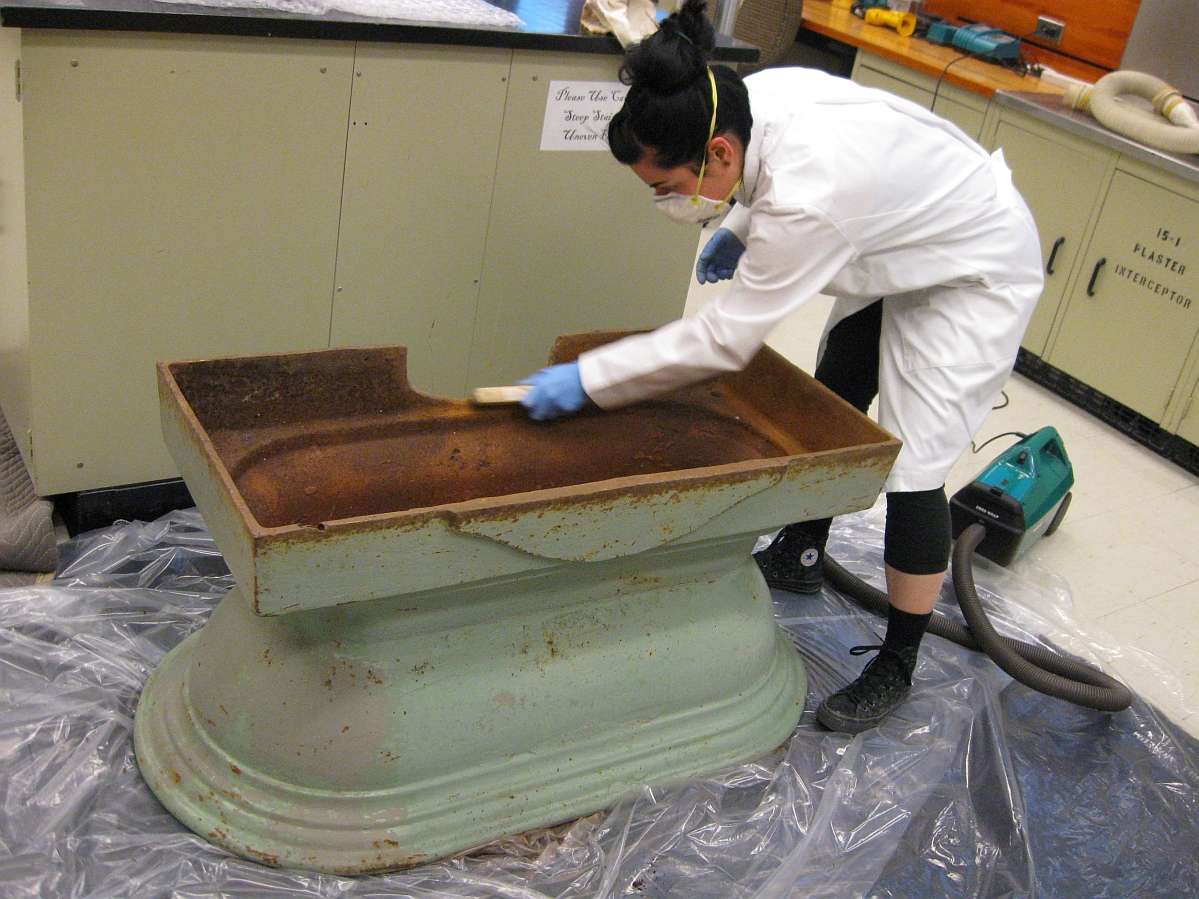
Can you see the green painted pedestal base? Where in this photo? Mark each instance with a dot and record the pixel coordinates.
(388, 733)
(454, 624)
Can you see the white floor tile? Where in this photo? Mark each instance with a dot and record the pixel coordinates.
(1142, 627)
(1110, 566)
(1180, 609)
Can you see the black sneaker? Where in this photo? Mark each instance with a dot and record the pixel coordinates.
(881, 687)
(794, 561)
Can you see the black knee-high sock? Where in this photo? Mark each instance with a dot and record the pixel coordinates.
(905, 630)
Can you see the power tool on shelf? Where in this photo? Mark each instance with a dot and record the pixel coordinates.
(980, 40)
(882, 13)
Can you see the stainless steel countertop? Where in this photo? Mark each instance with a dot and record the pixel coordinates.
(1052, 109)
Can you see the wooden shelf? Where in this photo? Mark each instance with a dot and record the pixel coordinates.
(972, 74)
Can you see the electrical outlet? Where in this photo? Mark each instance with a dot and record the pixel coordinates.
(1049, 30)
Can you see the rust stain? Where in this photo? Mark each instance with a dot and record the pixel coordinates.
(319, 472)
(319, 437)
(267, 858)
(333, 443)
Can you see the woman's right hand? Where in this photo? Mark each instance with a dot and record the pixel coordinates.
(557, 391)
(718, 259)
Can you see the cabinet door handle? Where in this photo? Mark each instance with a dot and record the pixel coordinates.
(1095, 274)
(1057, 245)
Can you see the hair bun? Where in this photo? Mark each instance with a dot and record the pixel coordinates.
(676, 55)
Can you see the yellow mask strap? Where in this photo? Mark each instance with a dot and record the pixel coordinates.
(711, 133)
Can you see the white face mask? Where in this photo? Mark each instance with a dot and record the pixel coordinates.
(696, 210)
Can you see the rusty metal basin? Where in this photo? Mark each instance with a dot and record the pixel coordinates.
(452, 623)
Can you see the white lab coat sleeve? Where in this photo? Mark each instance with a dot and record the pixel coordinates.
(789, 257)
(737, 221)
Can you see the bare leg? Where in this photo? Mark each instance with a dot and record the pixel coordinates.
(914, 593)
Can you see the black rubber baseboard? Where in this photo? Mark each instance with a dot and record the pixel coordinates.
(88, 510)
(1132, 424)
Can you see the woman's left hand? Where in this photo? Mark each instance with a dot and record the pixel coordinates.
(719, 257)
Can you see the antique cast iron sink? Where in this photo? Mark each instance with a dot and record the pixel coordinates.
(452, 623)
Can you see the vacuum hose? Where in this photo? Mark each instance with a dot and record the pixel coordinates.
(1172, 126)
(1034, 666)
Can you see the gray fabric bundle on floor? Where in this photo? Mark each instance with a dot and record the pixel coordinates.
(27, 542)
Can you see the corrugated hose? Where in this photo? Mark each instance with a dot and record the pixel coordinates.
(1041, 669)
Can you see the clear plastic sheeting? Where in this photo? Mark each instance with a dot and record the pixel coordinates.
(442, 12)
(977, 787)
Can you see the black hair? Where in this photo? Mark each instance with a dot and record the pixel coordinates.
(668, 109)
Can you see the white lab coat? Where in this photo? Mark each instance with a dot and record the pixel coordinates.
(856, 193)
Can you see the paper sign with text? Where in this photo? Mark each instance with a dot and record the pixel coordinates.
(577, 114)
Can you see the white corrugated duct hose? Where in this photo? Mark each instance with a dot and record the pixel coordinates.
(1171, 125)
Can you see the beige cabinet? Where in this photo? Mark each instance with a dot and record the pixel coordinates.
(1188, 427)
(1130, 321)
(964, 108)
(574, 242)
(178, 196)
(181, 199)
(1062, 179)
(416, 203)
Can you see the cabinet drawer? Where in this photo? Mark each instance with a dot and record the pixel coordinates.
(1188, 428)
(1133, 312)
(1061, 185)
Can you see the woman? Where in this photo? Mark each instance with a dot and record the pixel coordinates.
(932, 256)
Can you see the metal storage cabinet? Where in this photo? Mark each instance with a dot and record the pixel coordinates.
(182, 197)
(1062, 180)
(1188, 427)
(1132, 314)
(464, 241)
(574, 241)
(424, 134)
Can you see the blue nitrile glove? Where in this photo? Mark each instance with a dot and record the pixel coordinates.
(557, 390)
(718, 259)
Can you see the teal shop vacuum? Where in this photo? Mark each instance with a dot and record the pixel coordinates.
(1020, 497)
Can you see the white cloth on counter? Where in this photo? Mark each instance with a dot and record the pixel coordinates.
(629, 20)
